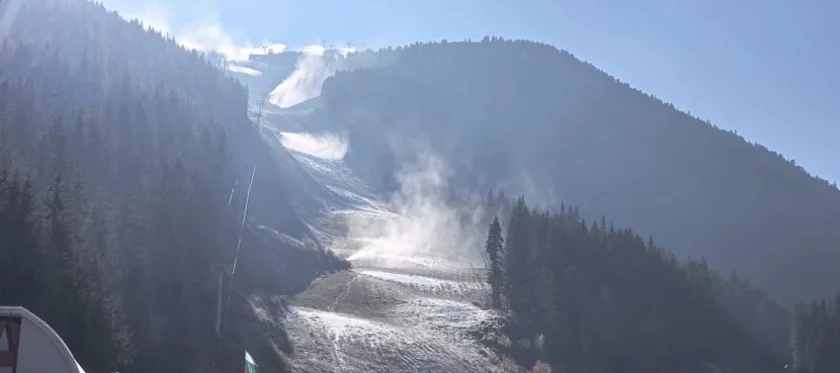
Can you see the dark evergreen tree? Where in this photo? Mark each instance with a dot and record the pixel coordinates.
(494, 248)
(814, 341)
(518, 278)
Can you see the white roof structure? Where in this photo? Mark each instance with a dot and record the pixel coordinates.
(29, 345)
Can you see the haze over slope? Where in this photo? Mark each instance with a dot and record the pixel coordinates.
(500, 110)
(126, 171)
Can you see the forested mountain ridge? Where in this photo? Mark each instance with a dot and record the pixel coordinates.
(499, 109)
(126, 167)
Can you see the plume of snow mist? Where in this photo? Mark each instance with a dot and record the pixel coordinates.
(326, 146)
(345, 51)
(538, 191)
(313, 67)
(8, 12)
(244, 70)
(429, 222)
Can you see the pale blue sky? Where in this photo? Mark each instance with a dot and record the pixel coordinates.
(768, 68)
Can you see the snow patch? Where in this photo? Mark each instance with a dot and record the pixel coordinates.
(325, 146)
(403, 261)
(312, 165)
(244, 70)
(365, 212)
(360, 201)
(444, 315)
(340, 323)
(357, 345)
(344, 330)
(426, 284)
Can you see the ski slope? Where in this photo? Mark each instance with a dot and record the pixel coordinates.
(399, 309)
(355, 322)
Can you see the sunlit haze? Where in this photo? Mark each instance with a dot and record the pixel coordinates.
(715, 59)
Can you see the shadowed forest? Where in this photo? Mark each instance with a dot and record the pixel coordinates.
(126, 162)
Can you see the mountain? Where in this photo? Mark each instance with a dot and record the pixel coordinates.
(128, 168)
(584, 298)
(592, 296)
(529, 118)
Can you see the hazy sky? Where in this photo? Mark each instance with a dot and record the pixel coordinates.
(768, 68)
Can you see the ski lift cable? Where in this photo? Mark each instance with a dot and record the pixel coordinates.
(238, 245)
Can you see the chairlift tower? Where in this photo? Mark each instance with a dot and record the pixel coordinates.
(222, 270)
(260, 108)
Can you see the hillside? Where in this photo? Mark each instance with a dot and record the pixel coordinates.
(128, 166)
(130, 169)
(596, 298)
(532, 119)
(583, 297)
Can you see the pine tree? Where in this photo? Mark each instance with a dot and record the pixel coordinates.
(495, 274)
(798, 336)
(815, 337)
(19, 272)
(518, 279)
(539, 261)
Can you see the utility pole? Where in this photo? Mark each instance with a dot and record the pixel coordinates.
(260, 107)
(222, 270)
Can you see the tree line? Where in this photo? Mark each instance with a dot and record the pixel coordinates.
(815, 337)
(586, 296)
